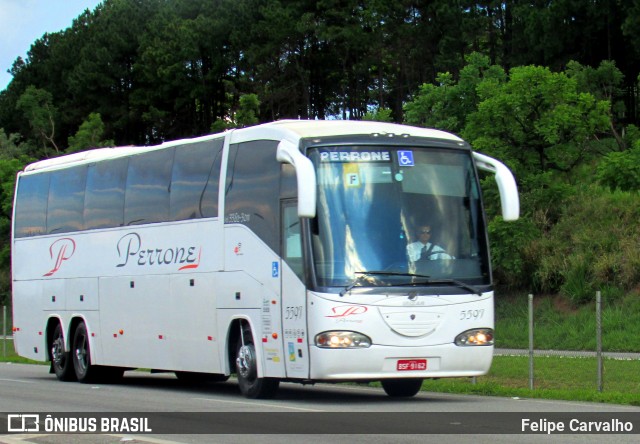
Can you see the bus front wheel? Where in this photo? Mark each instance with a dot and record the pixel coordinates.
(401, 388)
(250, 384)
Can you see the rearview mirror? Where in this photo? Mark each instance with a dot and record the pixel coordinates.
(509, 199)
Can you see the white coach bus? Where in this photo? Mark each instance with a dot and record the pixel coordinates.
(280, 252)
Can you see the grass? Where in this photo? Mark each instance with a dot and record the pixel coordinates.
(573, 379)
(560, 326)
(8, 354)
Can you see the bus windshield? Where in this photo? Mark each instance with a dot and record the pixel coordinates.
(397, 215)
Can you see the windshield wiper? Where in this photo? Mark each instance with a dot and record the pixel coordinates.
(424, 279)
(427, 280)
(364, 274)
(457, 283)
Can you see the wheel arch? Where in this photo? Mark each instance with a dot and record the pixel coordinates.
(52, 322)
(233, 336)
(73, 325)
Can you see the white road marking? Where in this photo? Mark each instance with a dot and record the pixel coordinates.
(258, 404)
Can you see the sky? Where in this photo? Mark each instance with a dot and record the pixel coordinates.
(22, 22)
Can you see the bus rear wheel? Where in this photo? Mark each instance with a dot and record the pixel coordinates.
(401, 388)
(61, 363)
(250, 384)
(81, 354)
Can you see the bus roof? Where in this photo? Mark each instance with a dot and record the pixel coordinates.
(293, 130)
(323, 128)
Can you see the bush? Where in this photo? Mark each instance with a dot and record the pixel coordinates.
(509, 244)
(620, 170)
(594, 245)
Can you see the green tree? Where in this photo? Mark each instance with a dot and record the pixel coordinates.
(89, 135)
(12, 146)
(183, 66)
(245, 115)
(448, 102)
(379, 115)
(37, 107)
(621, 170)
(248, 109)
(12, 160)
(103, 78)
(606, 82)
(538, 119)
(286, 57)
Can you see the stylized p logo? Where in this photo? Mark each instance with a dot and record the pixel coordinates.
(347, 310)
(60, 251)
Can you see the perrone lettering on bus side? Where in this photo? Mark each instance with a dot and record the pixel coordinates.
(130, 246)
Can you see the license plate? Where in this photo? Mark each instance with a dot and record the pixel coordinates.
(408, 365)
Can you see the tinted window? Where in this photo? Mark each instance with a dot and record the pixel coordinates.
(148, 184)
(194, 184)
(252, 189)
(210, 195)
(104, 199)
(66, 200)
(291, 238)
(288, 181)
(31, 205)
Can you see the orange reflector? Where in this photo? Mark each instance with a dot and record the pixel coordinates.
(274, 302)
(121, 332)
(274, 335)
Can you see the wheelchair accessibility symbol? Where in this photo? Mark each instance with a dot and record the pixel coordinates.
(405, 158)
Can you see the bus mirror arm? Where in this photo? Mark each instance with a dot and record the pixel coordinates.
(509, 199)
(305, 176)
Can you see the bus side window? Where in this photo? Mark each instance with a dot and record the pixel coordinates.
(195, 171)
(31, 205)
(65, 208)
(148, 186)
(292, 246)
(104, 196)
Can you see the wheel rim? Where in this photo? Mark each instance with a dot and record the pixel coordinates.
(81, 354)
(57, 351)
(246, 363)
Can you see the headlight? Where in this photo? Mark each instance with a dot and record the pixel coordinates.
(477, 336)
(342, 339)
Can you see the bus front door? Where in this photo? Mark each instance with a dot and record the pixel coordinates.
(294, 303)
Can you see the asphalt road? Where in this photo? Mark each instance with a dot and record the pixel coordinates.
(309, 414)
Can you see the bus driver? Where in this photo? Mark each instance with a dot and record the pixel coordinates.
(423, 250)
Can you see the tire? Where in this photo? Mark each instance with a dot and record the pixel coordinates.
(251, 386)
(61, 363)
(81, 353)
(401, 388)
